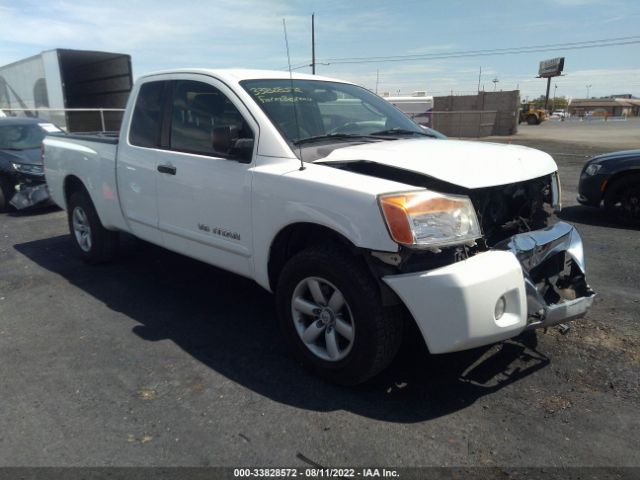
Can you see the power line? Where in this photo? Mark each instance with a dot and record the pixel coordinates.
(490, 50)
(585, 44)
(440, 57)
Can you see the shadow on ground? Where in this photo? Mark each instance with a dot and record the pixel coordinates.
(33, 211)
(228, 323)
(597, 217)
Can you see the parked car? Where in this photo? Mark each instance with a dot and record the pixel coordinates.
(561, 114)
(22, 182)
(613, 179)
(357, 219)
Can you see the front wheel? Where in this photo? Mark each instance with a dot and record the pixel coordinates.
(532, 120)
(622, 200)
(330, 310)
(94, 243)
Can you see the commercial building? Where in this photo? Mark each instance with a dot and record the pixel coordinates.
(605, 107)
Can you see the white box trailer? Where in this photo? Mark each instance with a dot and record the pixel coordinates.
(78, 90)
(418, 108)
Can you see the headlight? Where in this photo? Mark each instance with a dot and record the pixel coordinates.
(592, 169)
(29, 169)
(427, 218)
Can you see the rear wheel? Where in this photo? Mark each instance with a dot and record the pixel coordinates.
(532, 120)
(330, 310)
(622, 200)
(94, 243)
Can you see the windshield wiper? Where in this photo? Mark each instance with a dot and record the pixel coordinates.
(330, 136)
(402, 131)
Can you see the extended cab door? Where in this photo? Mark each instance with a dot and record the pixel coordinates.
(137, 160)
(204, 174)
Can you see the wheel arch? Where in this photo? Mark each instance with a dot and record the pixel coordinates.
(629, 172)
(294, 238)
(71, 185)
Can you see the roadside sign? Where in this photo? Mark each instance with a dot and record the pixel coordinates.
(551, 68)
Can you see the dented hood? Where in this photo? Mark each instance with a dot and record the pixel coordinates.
(468, 164)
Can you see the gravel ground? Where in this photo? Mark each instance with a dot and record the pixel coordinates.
(160, 360)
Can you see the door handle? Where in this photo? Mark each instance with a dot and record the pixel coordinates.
(168, 168)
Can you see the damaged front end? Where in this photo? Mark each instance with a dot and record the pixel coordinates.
(29, 186)
(520, 218)
(526, 271)
(30, 195)
(553, 266)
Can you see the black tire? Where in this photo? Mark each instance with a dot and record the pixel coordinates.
(532, 120)
(622, 200)
(377, 331)
(5, 195)
(103, 243)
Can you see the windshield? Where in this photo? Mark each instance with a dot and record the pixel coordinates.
(328, 111)
(21, 137)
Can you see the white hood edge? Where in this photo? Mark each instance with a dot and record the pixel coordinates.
(469, 164)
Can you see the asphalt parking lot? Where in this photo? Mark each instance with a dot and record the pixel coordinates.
(160, 360)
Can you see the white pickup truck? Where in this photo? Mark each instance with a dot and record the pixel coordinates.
(325, 194)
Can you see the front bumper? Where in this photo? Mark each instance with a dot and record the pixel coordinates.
(30, 190)
(540, 275)
(590, 189)
(30, 195)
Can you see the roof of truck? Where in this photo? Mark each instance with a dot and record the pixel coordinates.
(237, 75)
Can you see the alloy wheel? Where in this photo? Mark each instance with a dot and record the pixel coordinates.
(81, 229)
(323, 319)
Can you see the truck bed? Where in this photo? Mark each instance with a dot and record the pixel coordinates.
(102, 137)
(92, 158)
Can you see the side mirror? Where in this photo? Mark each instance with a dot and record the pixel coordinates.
(243, 150)
(222, 139)
(225, 140)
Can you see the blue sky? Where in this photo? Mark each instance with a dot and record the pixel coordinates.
(161, 34)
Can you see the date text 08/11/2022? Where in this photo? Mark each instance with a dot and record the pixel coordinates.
(316, 472)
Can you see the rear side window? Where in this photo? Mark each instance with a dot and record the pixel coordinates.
(147, 115)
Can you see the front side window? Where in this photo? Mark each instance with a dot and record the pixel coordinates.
(147, 116)
(205, 121)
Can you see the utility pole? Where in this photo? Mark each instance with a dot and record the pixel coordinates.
(495, 83)
(377, 79)
(313, 43)
(479, 75)
(588, 88)
(555, 89)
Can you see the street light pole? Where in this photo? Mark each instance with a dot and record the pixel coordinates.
(588, 88)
